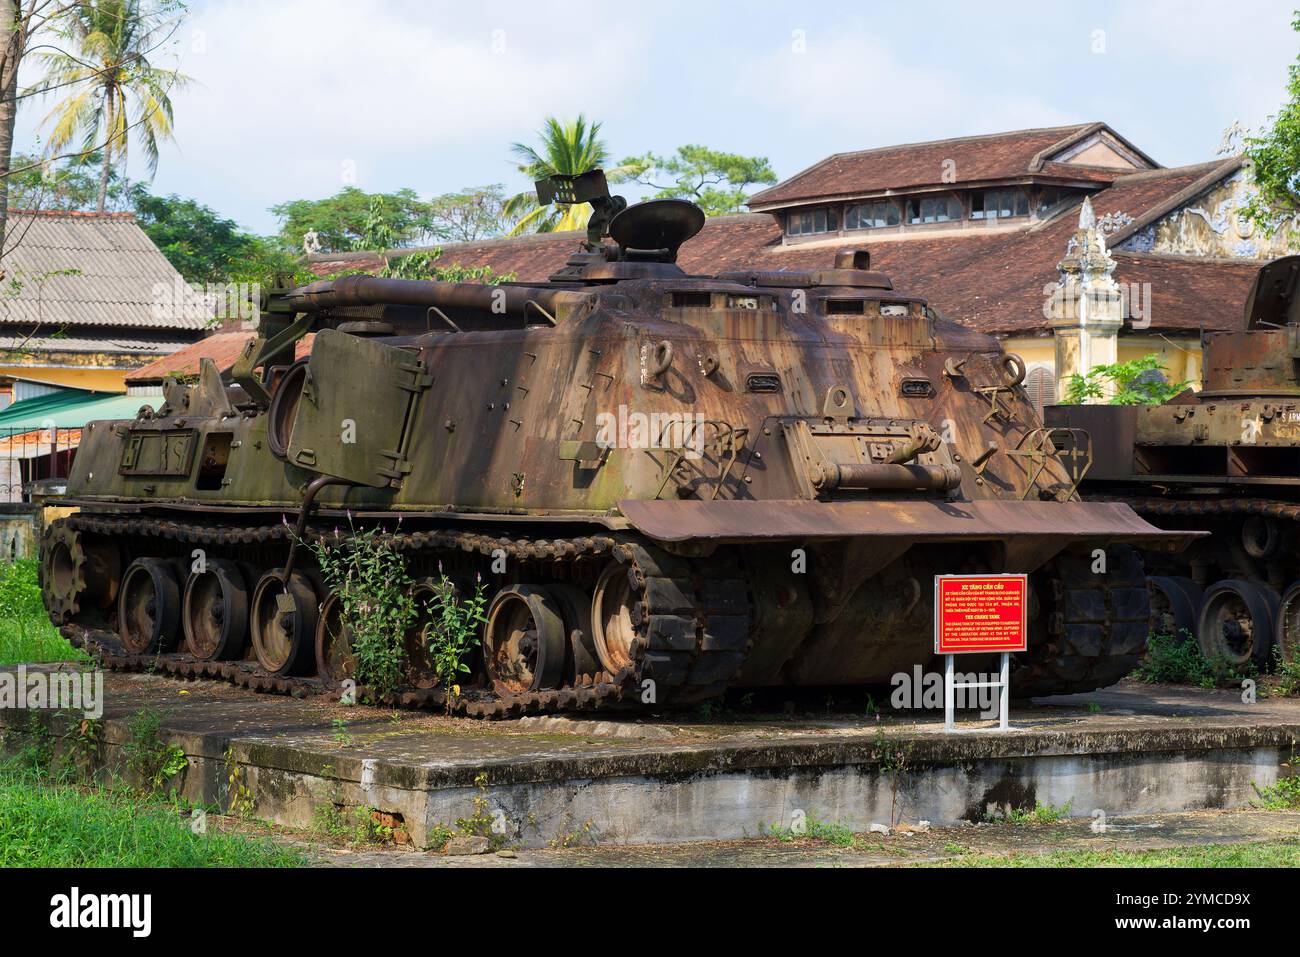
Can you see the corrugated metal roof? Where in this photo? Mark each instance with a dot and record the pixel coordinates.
(68, 409)
(109, 344)
(119, 274)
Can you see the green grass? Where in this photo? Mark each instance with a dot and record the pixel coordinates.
(1177, 660)
(841, 835)
(26, 635)
(1283, 795)
(44, 824)
(1040, 814)
(1284, 852)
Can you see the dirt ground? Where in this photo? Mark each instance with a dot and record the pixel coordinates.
(903, 848)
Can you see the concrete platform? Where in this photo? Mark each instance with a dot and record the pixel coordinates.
(1127, 751)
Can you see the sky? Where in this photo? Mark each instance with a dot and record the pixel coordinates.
(294, 99)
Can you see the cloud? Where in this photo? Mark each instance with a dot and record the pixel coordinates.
(847, 86)
(301, 97)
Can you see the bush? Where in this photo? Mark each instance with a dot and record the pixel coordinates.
(369, 575)
(1177, 660)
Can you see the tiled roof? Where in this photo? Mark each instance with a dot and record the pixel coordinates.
(223, 349)
(84, 270)
(991, 281)
(968, 159)
(139, 346)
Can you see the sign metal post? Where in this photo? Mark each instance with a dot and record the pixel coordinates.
(977, 614)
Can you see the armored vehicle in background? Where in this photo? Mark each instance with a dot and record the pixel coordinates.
(1226, 459)
(672, 483)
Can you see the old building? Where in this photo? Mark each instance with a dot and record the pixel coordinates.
(981, 226)
(85, 298)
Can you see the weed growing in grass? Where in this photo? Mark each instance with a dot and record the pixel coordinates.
(1285, 793)
(481, 823)
(453, 633)
(154, 761)
(240, 795)
(342, 735)
(1039, 814)
(358, 825)
(1177, 660)
(82, 742)
(841, 835)
(1288, 670)
(895, 760)
(570, 836)
(369, 575)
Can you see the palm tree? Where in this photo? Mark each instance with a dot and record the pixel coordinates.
(566, 149)
(113, 88)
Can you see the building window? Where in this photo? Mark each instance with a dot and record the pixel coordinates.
(1041, 386)
(811, 221)
(1050, 196)
(871, 215)
(933, 209)
(999, 203)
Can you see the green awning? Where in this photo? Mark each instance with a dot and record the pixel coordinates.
(70, 409)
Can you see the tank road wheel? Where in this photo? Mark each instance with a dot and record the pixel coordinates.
(611, 618)
(523, 641)
(149, 607)
(1096, 624)
(283, 623)
(1175, 603)
(580, 644)
(1237, 622)
(215, 612)
(421, 670)
(335, 662)
(1286, 634)
(73, 571)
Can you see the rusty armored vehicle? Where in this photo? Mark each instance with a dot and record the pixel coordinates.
(673, 484)
(1226, 459)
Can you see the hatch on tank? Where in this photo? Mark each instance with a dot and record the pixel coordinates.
(354, 413)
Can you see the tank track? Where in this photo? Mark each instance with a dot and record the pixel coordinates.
(692, 619)
(1264, 508)
(1097, 627)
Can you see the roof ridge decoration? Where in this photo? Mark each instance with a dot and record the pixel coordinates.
(1216, 171)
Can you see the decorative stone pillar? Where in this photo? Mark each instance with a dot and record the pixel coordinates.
(1086, 306)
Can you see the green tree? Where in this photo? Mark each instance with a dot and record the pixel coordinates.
(262, 260)
(716, 181)
(111, 87)
(470, 214)
(353, 219)
(563, 148)
(1139, 381)
(1275, 156)
(198, 242)
(69, 185)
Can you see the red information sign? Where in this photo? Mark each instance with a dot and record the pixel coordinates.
(980, 613)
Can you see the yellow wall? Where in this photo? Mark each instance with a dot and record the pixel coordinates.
(1181, 357)
(97, 380)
